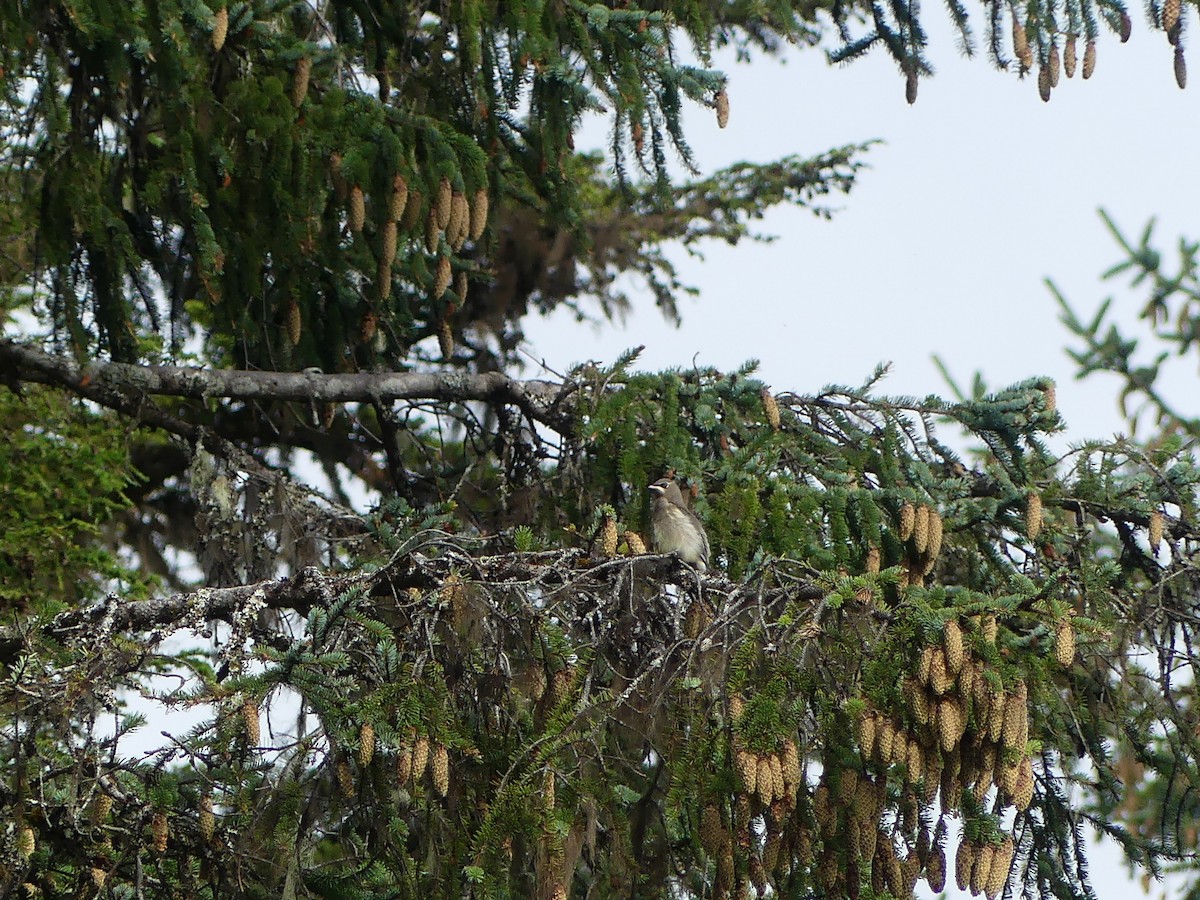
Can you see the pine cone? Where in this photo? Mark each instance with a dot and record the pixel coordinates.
(357, 210)
(1033, 515)
(441, 206)
(1001, 863)
(792, 773)
(1064, 642)
(159, 831)
(948, 725)
(868, 734)
(920, 534)
(608, 537)
(747, 769)
(387, 251)
(250, 723)
(439, 769)
(1023, 792)
(432, 232)
(420, 757)
(637, 547)
(366, 744)
(779, 783)
(300, 81)
(721, 104)
(1180, 67)
(935, 870)
(940, 679)
(1069, 68)
(952, 647)
(345, 778)
(293, 323)
(101, 807)
(1170, 15)
(442, 277)
(764, 781)
(1089, 59)
(771, 409)
(1157, 530)
(885, 736)
(479, 213)
(399, 197)
(404, 761)
(220, 28)
(935, 541)
(464, 221)
(925, 666)
(1021, 48)
(908, 518)
(982, 869)
(964, 863)
(412, 212)
(206, 822)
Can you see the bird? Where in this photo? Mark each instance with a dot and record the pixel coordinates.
(674, 528)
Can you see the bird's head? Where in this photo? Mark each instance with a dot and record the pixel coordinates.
(667, 488)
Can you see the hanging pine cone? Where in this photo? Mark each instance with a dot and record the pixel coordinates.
(206, 822)
(159, 831)
(399, 197)
(250, 723)
(101, 807)
(441, 206)
(1064, 642)
(442, 277)
(357, 211)
(908, 518)
(300, 81)
(1033, 515)
(420, 757)
(345, 778)
(1089, 59)
(366, 744)
(220, 28)
(439, 770)
(1069, 69)
(1156, 530)
(771, 409)
(1021, 48)
(479, 213)
(721, 104)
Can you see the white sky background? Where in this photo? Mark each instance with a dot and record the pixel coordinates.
(979, 193)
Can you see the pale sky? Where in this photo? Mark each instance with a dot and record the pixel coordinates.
(979, 193)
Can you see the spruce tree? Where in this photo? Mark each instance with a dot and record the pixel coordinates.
(263, 259)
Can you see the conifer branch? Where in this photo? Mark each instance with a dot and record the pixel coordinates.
(120, 385)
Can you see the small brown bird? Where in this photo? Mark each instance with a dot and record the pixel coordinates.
(674, 528)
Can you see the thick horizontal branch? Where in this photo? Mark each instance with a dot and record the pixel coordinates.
(78, 626)
(544, 401)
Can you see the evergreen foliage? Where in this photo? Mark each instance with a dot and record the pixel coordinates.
(928, 646)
